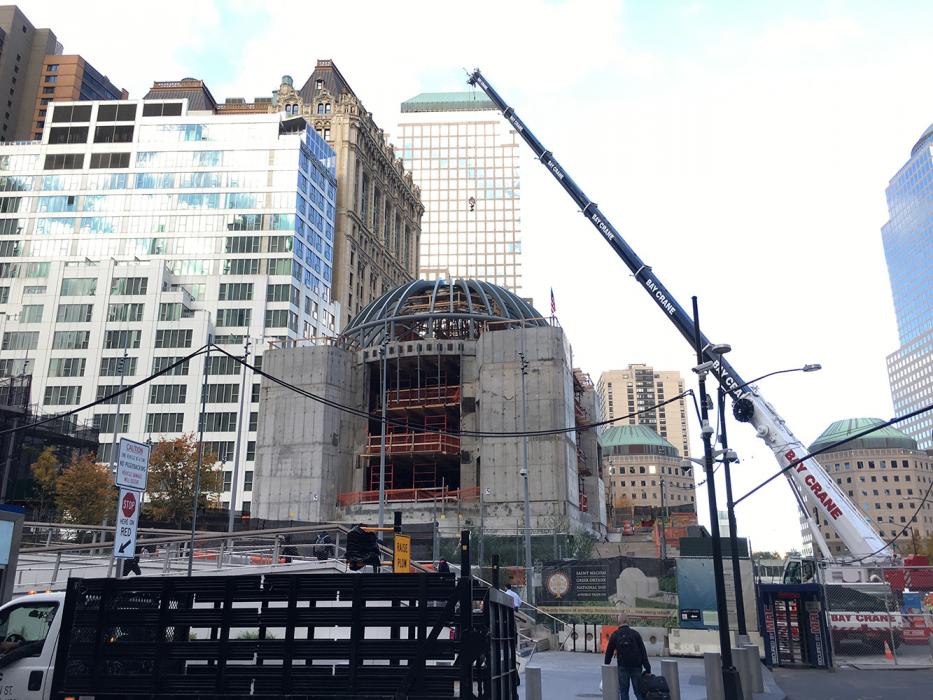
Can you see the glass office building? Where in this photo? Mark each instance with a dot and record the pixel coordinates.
(908, 248)
(145, 228)
(465, 158)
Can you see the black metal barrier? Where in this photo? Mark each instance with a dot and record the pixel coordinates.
(361, 636)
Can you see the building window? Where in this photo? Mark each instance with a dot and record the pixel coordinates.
(74, 313)
(62, 396)
(174, 338)
(52, 68)
(168, 393)
(164, 422)
(111, 366)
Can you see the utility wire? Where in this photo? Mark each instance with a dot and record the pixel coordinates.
(425, 429)
(897, 536)
(59, 416)
(832, 446)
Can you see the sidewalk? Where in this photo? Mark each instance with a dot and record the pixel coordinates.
(568, 675)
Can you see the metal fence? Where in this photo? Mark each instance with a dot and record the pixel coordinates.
(883, 616)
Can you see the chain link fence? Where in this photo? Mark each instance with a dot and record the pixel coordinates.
(884, 620)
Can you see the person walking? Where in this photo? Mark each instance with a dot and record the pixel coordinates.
(629, 649)
(516, 598)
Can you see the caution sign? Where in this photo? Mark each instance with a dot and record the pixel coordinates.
(124, 541)
(401, 563)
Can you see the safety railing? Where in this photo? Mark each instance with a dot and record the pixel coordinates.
(414, 443)
(426, 495)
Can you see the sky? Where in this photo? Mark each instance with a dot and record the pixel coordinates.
(742, 149)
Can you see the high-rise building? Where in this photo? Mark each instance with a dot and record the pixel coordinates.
(34, 73)
(378, 220)
(464, 157)
(643, 475)
(623, 392)
(143, 228)
(67, 79)
(908, 248)
(884, 474)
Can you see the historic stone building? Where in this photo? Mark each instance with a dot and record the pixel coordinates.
(379, 206)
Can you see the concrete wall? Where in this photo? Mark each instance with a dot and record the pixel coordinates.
(552, 463)
(305, 449)
(593, 485)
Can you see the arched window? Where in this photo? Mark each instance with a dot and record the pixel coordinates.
(320, 108)
(327, 108)
(288, 109)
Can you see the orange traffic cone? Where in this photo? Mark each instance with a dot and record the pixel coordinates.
(888, 654)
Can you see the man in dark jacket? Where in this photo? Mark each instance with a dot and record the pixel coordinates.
(632, 657)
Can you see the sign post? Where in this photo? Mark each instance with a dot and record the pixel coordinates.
(124, 541)
(401, 562)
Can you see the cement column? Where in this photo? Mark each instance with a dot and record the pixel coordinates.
(712, 666)
(672, 676)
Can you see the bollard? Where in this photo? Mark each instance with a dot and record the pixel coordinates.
(712, 665)
(532, 683)
(757, 682)
(58, 563)
(610, 682)
(741, 659)
(672, 676)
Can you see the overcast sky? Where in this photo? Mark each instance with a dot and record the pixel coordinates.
(741, 148)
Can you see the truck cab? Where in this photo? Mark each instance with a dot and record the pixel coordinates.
(29, 628)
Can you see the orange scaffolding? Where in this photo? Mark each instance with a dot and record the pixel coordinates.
(423, 397)
(408, 495)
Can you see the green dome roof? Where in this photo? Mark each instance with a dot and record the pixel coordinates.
(628, 436)
(884, 438)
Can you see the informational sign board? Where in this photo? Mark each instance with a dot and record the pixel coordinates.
(132, 465)
(124, 542)
(401, 563)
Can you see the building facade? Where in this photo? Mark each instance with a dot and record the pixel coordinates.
(68, 78)
(378, 220)
(623, 392)
(908, 249)
(643, 476)
(451, 354)
(885, 474)
(140, 229)
(465, 159)
(34, 73)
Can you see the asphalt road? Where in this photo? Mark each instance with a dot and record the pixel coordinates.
(855, 684)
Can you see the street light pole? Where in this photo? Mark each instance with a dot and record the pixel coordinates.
(482, 523)
(197, 475)
(727, 456)
(663, 522)
(382, 441)
(237, 452)
(730, 676)
(529, 563)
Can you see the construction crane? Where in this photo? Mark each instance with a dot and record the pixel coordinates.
(807, 476)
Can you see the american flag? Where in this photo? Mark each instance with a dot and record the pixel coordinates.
(553, 303)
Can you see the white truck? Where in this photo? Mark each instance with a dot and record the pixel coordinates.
(29, 629)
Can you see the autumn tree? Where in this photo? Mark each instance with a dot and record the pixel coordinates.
(173, 466)
(45, 472)
(84, 493)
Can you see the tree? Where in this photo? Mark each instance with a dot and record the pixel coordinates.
(45, 473)
(84, 494)
(173, 465)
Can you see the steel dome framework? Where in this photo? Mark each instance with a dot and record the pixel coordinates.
(441, 309)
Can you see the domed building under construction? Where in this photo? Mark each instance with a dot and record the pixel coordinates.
(447, 360)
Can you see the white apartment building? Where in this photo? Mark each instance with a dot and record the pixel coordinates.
(624, 392)
(465, 158)
(145, 228)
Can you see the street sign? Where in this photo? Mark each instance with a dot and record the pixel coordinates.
(124, 541)
(132, 465)
(401, 563)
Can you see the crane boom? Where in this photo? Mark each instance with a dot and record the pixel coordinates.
(808, 477)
